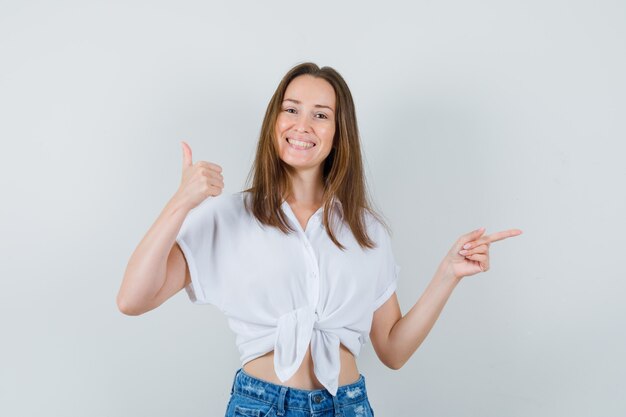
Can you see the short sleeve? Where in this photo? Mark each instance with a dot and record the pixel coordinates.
(387, 281)
(199, 239)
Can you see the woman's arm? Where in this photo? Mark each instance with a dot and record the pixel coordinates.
(148, 270)
(157, 269)
(395, 338)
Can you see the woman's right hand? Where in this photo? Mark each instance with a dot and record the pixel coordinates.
(199, 180)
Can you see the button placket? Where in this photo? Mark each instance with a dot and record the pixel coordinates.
(314, 269)
(314, 265)
(308, 248)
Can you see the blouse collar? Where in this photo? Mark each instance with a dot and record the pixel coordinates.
(334, 203)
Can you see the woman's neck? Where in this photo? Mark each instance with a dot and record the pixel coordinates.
(306, 190)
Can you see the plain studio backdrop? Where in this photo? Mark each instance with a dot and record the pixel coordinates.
(495, 114)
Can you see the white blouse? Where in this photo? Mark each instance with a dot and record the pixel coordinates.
(281, 292)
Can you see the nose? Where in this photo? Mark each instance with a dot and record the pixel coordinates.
(302, 123)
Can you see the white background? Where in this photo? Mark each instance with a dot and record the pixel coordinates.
(488, 113)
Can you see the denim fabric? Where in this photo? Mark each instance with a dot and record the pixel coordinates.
(253, 397)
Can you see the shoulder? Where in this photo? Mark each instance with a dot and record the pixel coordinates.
(376, 229)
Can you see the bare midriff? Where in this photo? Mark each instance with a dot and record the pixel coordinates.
(304, 378)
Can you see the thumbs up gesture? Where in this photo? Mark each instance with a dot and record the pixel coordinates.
(199, 180)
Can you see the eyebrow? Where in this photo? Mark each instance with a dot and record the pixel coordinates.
(317, 105)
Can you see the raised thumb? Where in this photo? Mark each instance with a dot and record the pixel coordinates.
(186, 154)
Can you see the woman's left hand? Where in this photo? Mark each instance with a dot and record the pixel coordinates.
(470, 253)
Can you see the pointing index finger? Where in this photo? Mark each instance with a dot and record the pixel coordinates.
(494, 237)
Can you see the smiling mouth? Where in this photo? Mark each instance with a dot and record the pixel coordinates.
(300, 145)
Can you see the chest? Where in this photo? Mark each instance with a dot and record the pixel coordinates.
(281, 272)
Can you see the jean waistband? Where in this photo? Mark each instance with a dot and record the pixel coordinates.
(285, 397)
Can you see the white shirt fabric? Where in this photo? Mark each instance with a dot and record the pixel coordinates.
(281, 292)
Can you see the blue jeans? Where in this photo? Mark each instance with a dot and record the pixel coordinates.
(250, 396)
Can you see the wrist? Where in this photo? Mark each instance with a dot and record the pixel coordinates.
(446, 272)
(178, 203)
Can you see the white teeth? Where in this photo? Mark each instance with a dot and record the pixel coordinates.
(299, 143)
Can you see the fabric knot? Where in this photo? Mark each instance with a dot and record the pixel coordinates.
(295, 331)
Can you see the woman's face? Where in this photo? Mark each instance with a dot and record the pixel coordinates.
(305, 126)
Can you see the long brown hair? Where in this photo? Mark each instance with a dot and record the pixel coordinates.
(342, 171)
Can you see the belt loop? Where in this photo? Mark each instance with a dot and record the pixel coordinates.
(336, 405)
(281, 400)
(232, 388)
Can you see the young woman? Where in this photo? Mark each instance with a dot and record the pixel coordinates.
(299, 262)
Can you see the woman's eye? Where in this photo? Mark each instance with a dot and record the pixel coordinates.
(289, 110)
